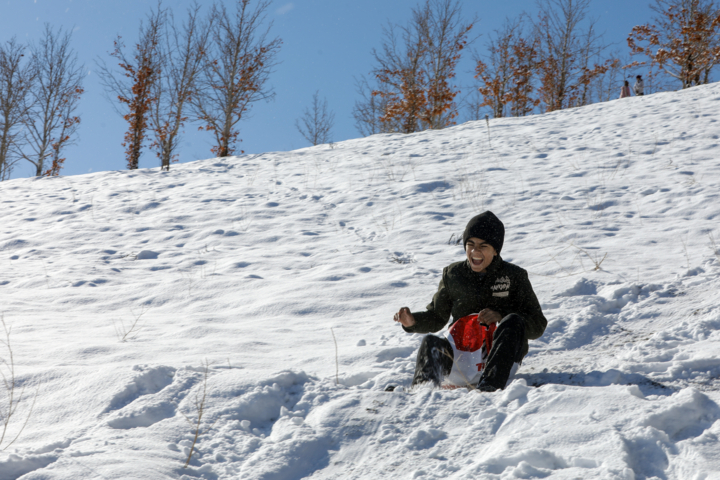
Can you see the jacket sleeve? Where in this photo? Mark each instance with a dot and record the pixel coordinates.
(437, 313)
(529, 308)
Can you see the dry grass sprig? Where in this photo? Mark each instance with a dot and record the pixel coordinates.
(130, 330)
(12, 398)
(199, 404)
(685, 249)
(597, 261)
(714, 246)
(337, 364)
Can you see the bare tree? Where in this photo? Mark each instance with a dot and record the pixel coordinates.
(316, 122)
(607, 87)
(472, 103)
(566, 53)
(683, 41)
(183, 51)
(16, 77)
(368, 110)
(134, 87)
(236, 73)
(415, 68)
(446, 34)
(51, 122)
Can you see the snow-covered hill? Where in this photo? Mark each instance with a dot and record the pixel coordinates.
(253, 265)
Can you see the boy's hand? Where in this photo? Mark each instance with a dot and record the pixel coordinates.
(488, 317)
(404, 317)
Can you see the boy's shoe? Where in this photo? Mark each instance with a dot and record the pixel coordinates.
(484, 387)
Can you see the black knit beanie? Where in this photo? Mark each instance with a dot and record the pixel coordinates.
(488, 227)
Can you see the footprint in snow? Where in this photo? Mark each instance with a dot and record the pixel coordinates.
(150, 401)
(147, 381)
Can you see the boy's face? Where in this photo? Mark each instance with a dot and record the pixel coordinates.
(479, 254)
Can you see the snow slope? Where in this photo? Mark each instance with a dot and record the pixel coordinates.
(120, 287)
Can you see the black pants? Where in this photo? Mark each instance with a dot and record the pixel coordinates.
(435, 357)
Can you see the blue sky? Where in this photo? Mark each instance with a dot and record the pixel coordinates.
(327, 44)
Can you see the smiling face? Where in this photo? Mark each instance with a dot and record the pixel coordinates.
(479, 254)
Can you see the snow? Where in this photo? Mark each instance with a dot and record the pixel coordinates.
(137, 298)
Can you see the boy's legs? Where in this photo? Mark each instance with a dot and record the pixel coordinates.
(506, 350)
(434, 360)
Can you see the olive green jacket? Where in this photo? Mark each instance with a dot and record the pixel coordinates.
(504, 288)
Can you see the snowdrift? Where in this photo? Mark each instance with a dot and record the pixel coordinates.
(138, 300)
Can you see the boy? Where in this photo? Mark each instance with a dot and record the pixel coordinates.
(498, 291)
(639, 87)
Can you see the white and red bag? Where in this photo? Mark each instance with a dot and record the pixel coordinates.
(471, 342)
